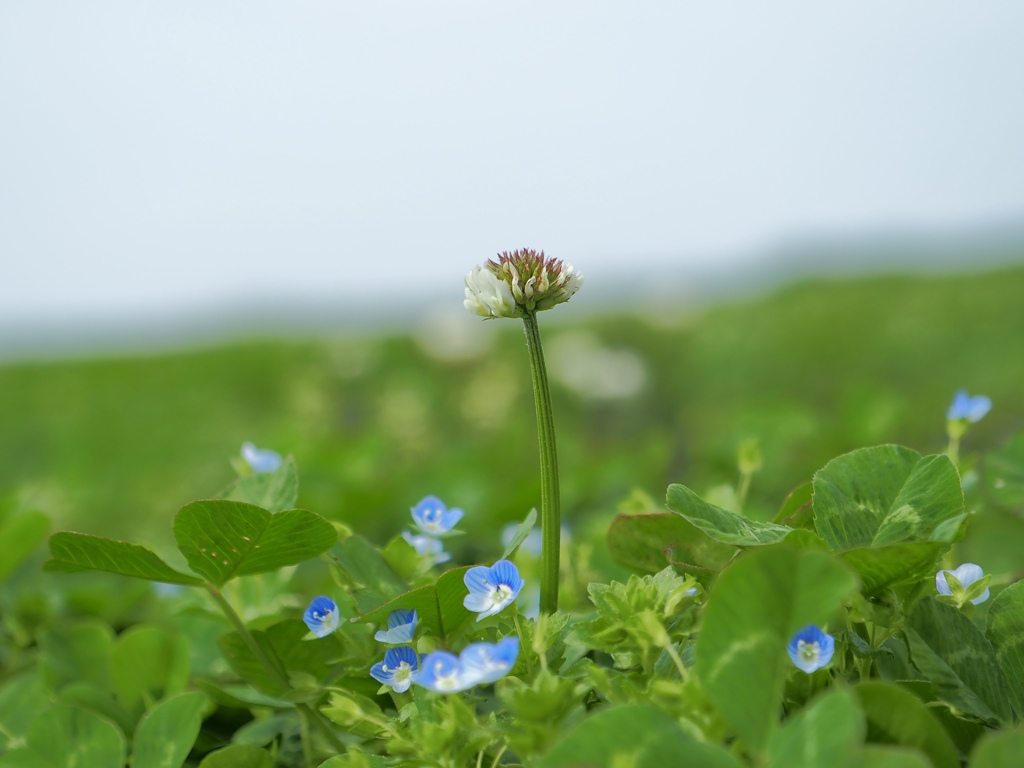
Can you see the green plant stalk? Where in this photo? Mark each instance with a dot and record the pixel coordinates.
(310, 713)
(550, 512)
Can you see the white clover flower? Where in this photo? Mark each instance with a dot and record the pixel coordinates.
(488, 296)
(520, 282)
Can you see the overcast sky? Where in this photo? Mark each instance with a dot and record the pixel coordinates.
(161, 155)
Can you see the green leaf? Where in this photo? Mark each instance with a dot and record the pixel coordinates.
(522, 531)
(166, 734)
(451, 591)
(895, 564)
(67, 736)
(21, 535)
(356, 760)
(950, 650)
(374, 581)
(283, 643)
(238, 756)
(649, 542)
(275, 491)
(224, 539)
(884, 495)
(874, 756)
(74, 552)
(148, 663)
(634, 735)
(721, 524)
(999, 750)
(1006, 633)
(823, 735)
(895, 716)
(78, 652)
(796, 510)
(99, 701)
(22, 696)
(1004, 474)
(438, 606)
(758, 604)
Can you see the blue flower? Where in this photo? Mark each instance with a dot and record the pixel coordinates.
(492, 589)
(966, 574)
(479, 663)
(322, 616)
(401, 627)
(811, 649)
(487, 662)
(260, 459)
(398, 668)
(967, 408)
(427, 546)
(441, 671)
(433, 518)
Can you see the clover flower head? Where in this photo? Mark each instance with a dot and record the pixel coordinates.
(322, 616)
(488, 662)
(519, 282)
(811, 649)
(966, 574)
(967, 408)
(492, 589)
(433, 518)
(260, 459)
(427, 546)
(398, 668)
(442, 672)
(401, 628)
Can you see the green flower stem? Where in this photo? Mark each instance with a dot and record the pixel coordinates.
(275, 671)
(550, 513)
(522, 644)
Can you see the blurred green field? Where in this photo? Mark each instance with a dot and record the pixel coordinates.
(115, 446)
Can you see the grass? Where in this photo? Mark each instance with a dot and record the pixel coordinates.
(115, 446)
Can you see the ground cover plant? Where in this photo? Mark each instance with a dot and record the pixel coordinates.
(856, 619)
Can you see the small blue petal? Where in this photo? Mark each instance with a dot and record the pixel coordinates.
(966, 574)
(322, 616)
(427, 547)
(397, 670)
(967, 408)
(441, 671)
(260, 459)
(488, 662)
(401, 628)
(492, 589)
(811, 649)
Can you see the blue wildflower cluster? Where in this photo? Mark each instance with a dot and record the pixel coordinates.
(478, 664)
(432, 520)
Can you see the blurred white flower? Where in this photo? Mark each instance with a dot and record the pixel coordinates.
(582, 363)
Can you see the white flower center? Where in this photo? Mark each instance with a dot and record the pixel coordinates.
(500, 594)
(809, 652)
